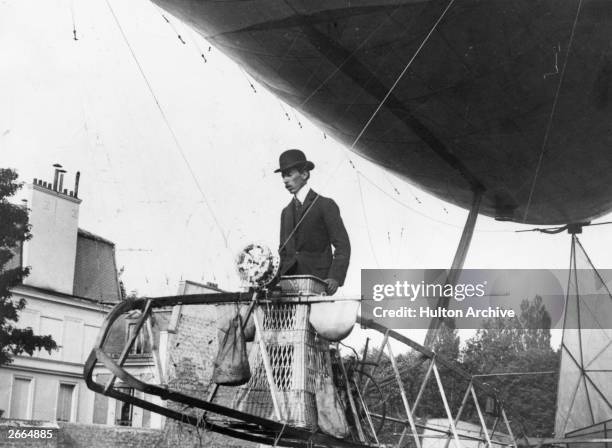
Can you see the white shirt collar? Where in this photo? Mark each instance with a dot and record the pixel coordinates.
(302, 193)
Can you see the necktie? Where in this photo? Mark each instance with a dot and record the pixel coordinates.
(298, 207)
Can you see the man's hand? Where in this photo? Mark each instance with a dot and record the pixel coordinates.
(332, 286)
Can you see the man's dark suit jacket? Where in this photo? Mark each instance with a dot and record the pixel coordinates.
(309, 250)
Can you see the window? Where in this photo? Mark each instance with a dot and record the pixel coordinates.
(65, 398)
(21, 398)
(140, 346)
(123, 410)
(100, 413)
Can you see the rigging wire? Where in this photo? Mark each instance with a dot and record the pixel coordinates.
(284, 110)
(401, 75)
(178, 35)
(559, 229)
(74, 31)
(349, 57)
(248, 79)
(403, 204)
(552, 113)
(387, 177)
(168, 125)
(382, 102)
(297, 119)
(431, 218)
(195, 43)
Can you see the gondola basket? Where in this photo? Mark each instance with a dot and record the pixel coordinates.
(299, 359)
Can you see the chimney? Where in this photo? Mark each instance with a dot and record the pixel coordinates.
(54, 217)
(60, 186)
(76, 184)
(58, 168)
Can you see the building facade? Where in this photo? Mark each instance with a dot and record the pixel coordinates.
(72, 284)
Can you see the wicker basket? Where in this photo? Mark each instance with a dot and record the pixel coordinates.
(298, 358)
(295, 285)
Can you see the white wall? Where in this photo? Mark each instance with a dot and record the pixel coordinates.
(74, 324)
(52, 250)
(45, 392)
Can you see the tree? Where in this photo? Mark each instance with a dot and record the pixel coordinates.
(14, 231)
(504, 346)
(413, 366)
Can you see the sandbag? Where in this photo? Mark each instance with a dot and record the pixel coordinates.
(330, 412)
(226, 312)
(231, 367)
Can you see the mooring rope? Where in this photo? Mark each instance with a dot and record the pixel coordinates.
(552, 114)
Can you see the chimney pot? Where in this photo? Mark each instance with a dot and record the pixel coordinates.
(76, 184)
(56, 175)
(60, 186)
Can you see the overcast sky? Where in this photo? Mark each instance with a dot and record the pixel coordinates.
(85, 104)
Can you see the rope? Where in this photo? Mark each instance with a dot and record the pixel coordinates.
(553, 230)
(337, 69)
(167, 123)
(382, 102)
(195, 43)
(178, 35)
(401, 75)
(248, 80)
(552, 114)
(431, 218)
(600, 223)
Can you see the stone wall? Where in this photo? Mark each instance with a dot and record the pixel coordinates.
(10, 428)
(192, 349)
(77, 435)
(80, 435)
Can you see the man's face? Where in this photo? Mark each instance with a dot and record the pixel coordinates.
(294, 179)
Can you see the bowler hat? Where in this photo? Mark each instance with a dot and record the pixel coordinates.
(293, 158)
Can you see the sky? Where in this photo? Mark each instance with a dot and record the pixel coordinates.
(177, 169)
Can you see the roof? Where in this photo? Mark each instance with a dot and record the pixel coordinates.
(86, 234)
(95, 270)
(52, 292)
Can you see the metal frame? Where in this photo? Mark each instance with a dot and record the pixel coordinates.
(225, 420)
(473, 384)
(233, 423)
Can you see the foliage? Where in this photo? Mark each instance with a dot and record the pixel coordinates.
(502, 346)
(14, 231)
(413, 368)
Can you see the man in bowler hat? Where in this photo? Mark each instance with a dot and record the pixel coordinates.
(310, 227)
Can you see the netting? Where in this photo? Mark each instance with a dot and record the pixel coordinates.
(299, 359)
(585, 382)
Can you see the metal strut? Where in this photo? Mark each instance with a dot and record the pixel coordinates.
(455, 270)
